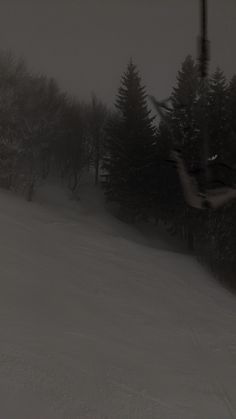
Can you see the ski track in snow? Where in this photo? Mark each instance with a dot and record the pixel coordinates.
(98, 322)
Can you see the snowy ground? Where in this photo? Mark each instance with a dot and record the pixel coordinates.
(95, 323)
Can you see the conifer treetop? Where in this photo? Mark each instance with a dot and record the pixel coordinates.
(131, 99)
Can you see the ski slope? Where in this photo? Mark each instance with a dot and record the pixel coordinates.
(99, 322)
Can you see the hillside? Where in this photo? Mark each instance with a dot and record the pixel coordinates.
(98, 321)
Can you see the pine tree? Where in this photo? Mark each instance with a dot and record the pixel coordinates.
(231, 117)
(97, 116)
(231, 103)
(185, 101)
(185, 128)
(130, 147)
(218, 127)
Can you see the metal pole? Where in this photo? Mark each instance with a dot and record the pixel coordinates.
(204, 42)
(203, 67)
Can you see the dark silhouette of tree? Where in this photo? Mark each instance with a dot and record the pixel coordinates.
(97, 118)
(217, 114)
(130, 146)
(184, 116)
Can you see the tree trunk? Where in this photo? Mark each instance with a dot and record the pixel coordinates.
(96, 171)
(97, 160)
(190, 241)
(30, 191)
(73, 181)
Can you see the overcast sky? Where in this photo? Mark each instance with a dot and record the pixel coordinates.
(86, 44)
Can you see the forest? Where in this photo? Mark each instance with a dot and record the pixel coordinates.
(44, 132)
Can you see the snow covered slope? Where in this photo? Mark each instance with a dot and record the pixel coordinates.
(96, 324)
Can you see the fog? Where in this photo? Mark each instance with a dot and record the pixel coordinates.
(85, 45)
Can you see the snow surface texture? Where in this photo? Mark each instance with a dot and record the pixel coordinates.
(96, 323)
